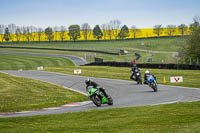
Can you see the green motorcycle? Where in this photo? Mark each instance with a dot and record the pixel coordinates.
(98, 97)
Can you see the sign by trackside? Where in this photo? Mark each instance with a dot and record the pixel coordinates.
(77, 71)
(176, 79)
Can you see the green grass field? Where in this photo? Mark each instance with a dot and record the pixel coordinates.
(172, 118)
(132, 46)
(157, 57)
(27, 62)
(19, 94)
(160, 44)
(190, 77)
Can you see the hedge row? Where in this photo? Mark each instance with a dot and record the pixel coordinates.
(147, 65)
(101, 40)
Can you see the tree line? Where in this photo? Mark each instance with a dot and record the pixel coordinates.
(111, 30)
(190, 48)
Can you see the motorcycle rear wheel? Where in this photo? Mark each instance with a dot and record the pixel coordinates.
(139, 80)
(154, 86)
(110, 100)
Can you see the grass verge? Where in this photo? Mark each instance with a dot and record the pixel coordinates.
(190, 77)
(19, 94)
(172, 118)
(26, 62)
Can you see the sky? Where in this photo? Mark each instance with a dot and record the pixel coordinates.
(140, 13)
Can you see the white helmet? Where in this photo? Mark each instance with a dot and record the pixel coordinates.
(147, 72)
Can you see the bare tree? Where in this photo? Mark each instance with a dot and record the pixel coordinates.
(27, 33)
(39, 33)
(115, 26)
(12, 28)
(89, 34)
(85, 27)
(158, 30)
(135, 31)
(104, 30)
(182, 29)
(23, 29)
(33, 31)
(62, 32)
(109, 30)
(18, 34)
(170, 30)
(2, 30)
(55, 32)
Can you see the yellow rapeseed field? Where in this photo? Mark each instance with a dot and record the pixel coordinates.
(144, 33)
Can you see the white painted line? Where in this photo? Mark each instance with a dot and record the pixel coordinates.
(165, 103)
(24, 112)
(53, 108)
(75, 90)
(70, 105)
(85, 102)
(177, 101)
(180, 87)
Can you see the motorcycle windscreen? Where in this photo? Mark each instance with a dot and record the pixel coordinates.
(91, 90)
(150, 78)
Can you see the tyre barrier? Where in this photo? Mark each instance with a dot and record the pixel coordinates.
(147, 65)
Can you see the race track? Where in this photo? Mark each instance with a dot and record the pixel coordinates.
(76, 60)
(124, 93)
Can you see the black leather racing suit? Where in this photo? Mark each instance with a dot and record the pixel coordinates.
(133, 70)
(95, 85)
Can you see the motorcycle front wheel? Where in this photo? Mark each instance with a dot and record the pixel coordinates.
(96, 100)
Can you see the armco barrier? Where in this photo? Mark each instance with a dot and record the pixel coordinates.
(147, 65)
(98, 60)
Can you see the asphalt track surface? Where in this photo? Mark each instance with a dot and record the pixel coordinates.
(124, 93)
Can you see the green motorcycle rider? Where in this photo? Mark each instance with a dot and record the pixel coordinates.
(88, 82)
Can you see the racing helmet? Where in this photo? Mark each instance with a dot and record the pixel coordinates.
(147, 72)
(87, 81)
